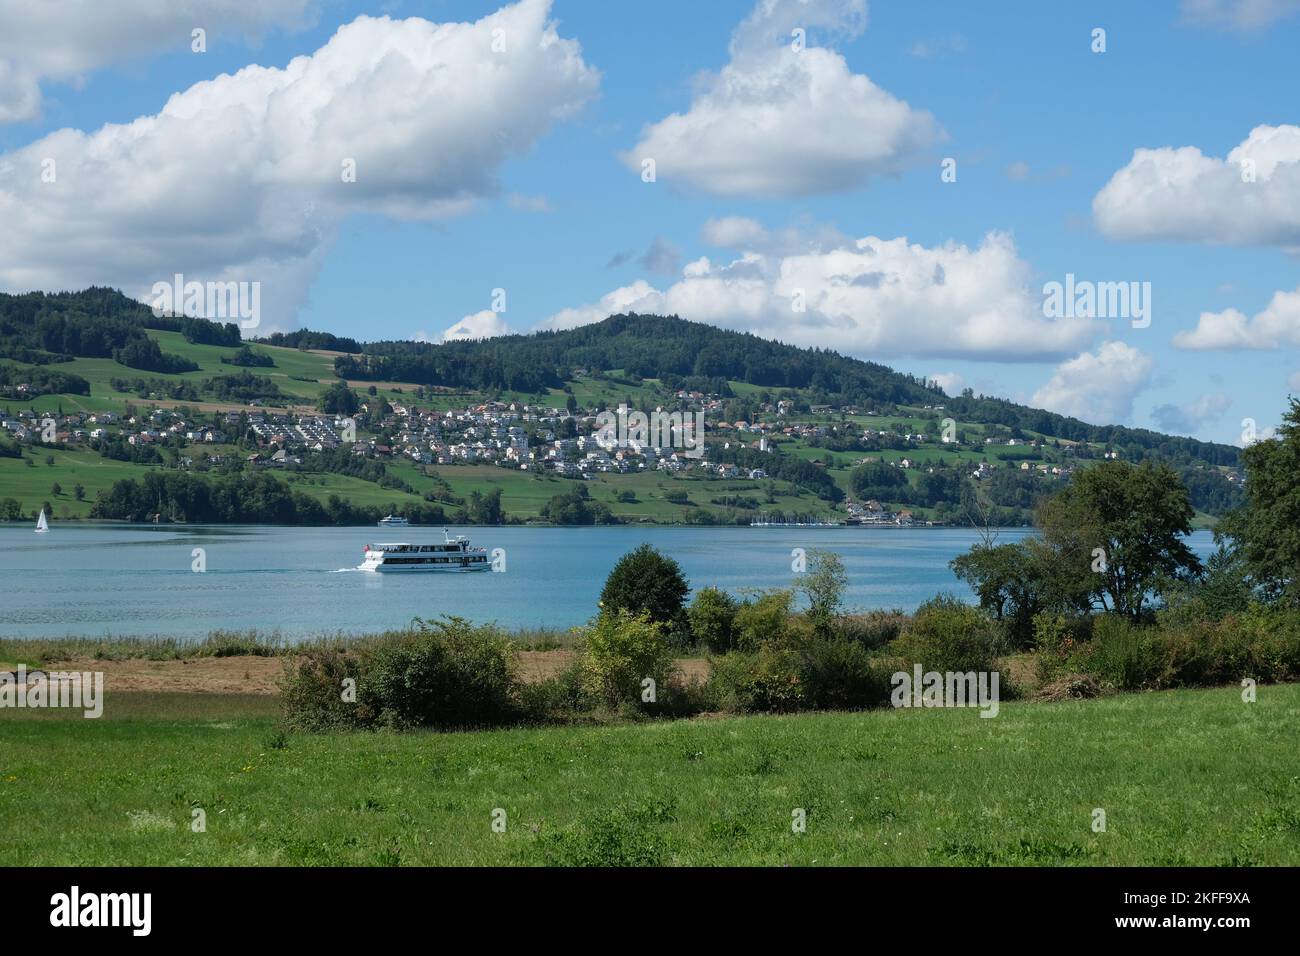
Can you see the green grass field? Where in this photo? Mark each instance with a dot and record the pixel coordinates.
(1184, 777)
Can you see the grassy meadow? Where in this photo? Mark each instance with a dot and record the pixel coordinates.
(1185, 777)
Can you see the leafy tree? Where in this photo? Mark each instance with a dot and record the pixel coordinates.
(79, 491)
(338, 399)
(56, 489)
(712, 614)
(645, 581)
(486, 508)
(1017, 582)
(1267, 529)
(823, 585)
(1126, 523)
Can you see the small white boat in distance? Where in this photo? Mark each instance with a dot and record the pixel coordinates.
(393, 521)
(453, 554)
(42, 525)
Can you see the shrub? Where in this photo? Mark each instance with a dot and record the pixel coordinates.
(312, 690)
(448, 674)
(873, 630)
(560, 698)
(712, 614)
(947, 635)
(1057, 639)
(1122, 654)
(621, 651)
(768, 679)
(765, 621)
(841, 675)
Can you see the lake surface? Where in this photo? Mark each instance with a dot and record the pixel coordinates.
(96, 579)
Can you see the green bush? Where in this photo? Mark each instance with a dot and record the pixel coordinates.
(619, 653)
(1123, 654)
(873, 630)
(768, 679)
(712, 615)
(947, 635)
(823, 585)
(842, 675)
(1057, 640)
(312, 690)
(449, 674)
(557, 699)
(764, 621)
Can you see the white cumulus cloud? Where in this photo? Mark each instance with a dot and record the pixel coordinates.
(481, 325)
(1277, 326)
(244, 177)
(1097, 387)
(61, 40)
(867, 297)
(777, 121)
(1250, 197)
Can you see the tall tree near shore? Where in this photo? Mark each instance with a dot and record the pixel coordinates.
(1125, 524)
(1266, 531)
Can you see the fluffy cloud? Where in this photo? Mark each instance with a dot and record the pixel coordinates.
(870, 297)
(1189, 418)
(950, 382)
(1278, 326)
(481, 325)
(778, 121)
(1180, 193)
(243, 177)
(1099, 387)
(1239, 14)
(60, 40)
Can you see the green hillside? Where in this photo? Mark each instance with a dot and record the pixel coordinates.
(808, 423)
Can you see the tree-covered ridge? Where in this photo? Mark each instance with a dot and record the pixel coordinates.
(646, 346)
(44, 327)
(307, 339)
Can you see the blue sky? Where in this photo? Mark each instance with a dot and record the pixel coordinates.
(1037, 122)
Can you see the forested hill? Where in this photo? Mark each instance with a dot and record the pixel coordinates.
(699, 356)
(678, 352)
(44, 329)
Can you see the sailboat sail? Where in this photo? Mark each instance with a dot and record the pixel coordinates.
(41, 523)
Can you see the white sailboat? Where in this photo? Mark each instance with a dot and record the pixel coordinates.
(42, 525)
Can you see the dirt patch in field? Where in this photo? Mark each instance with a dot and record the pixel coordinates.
(197, 675)
(259, 675)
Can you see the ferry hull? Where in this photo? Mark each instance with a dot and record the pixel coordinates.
(423, 569)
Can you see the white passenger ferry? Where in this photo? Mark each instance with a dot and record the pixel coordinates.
(393, 521)
(453, 554)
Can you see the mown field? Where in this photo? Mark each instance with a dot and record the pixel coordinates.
(1184, 777)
